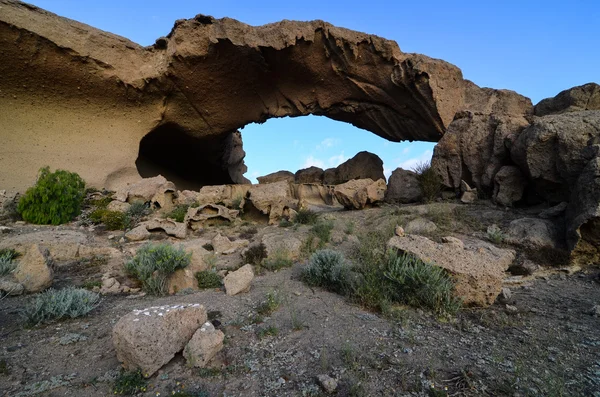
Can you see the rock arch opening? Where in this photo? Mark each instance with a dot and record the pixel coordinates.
(187, 161)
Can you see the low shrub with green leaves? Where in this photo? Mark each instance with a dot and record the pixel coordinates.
(327, 269)
(113, 220)
(255, 254)
(59, 304)
(306, 217)
(420, 284)
(178, 213)
(136, 212)
(154, 263)
(56, 198)
(130, 383)
(278, 260)
(7, 261)
(429, 181)
(208, 279)
(270, 304)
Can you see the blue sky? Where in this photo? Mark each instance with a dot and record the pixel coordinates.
(537, 48)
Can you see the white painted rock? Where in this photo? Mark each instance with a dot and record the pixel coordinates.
(148, 339)
(204, 345)
(239, 281)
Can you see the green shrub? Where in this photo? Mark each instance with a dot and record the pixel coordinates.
(7, 263)
(58, 304)
(255, 254)
(130, 383)
(322, 230)
(178, 213)
(56, 198)
(327, 269)
(306, 217)
(236, 203)
(113, 220)
(208, 279)
(154, 263)
(279, 260)
(420, 284)
(270, 304)
(429, 181)
(136, 212)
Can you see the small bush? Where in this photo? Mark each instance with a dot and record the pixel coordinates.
(56, 198)
(421, 284)
(429, 181)
(306, 217)
(154, 263)
(178, 213)
(269, 331)
(208, 247)
(349, 227)
(7, 263)
(279, 260)
(495, 235)
(58, 304)
(236, 203)
(255, 254)
(322, 230)
(130, 383)
(113, 220)
(208, 279)
(327, 269)
(270, 304)
(285, 223)
(136, 212)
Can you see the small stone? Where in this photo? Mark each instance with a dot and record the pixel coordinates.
(137, 233)
(33, 271)
(399, 231)
(5, 229)
(239, 281)
(72, 338)
(327, 383)
(10, 288)
(505, 295)
(511, 309)
(595, 311)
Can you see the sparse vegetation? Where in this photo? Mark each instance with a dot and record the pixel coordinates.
(130, 383)
(270, 304)
(349, 229)
(56, 198)
(429, 181)
(113, 220)
(236, 203)
(327, 269)
(7, 262)
(178, 213)
(208, 279)
(59, 304)
(255, 254)
(91, 284)
(306, 217)
(136, 212)
(279, 260)
(154, 263)
(495, 235)
(268, 331)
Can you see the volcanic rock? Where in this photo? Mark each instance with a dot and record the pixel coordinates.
(362, 166)
(403, 187)
(583, 97)
(277, 177)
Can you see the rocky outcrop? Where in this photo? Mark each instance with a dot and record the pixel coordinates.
(403, 187)
(170, 106)
(314, 195)
(157, 190)
(552, 152)
(277, 177)
(583, 97)
(477, 268)
(535, 233)
(509, 185)
(309, 175)
(358, 193)
(208, 214)
(148, 339)
(362, 166)
(273, 199)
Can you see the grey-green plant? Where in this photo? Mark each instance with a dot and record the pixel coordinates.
(178, 213)
(7, 261)
(306, 217)
(154, 263)
(136, 211)
(270, 304)
(59, 304)
(495, 235)
(420, 284)
(327, 269)
(278, 260)
(429, 181)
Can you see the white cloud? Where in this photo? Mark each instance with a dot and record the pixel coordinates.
(410, 163)
(313, 162)
(406, 150)
(334, 161)
(387, 172)
(327, 143)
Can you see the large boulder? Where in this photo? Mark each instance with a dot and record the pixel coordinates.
(362, 166)
(148, 339)
(552, 152)
(204, 345)
(171, 227)
(285, 244)
(278, 176)
(535, 233)
(309, 175)
(157, 190)
(33, 271)
(403, 187)
(185, 279)
(575, 99)
(509, 185)
(358, 193)
(239, 281)
(273, 199)
(477, 268)
(583, 215)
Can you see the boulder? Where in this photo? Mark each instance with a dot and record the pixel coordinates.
(208, 214)
(358, 193)
(63, 245)
(555, 211)
(172, 228)
(239, 280)
(282, 243)
(403, 187)
(309, 175)
(33, 270)
(583, 216)
(583, 97)
(148, 339)
(477, 268)
(118, 206)
(204, 345)
(364, 165)
(222, 244)
(420, 226)
(226, 195)
(273, 199)
(10, 288)
(185, 278)
(157, 190)
(279, 176)
(138, 233)
(509, 185)
(110, 285)
(534, 233)
(553, 151)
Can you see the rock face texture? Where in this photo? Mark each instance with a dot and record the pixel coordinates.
(277, 177)
(175, 107)
(583, 97)
(362, 166)
(403, 187)
(33, 272)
